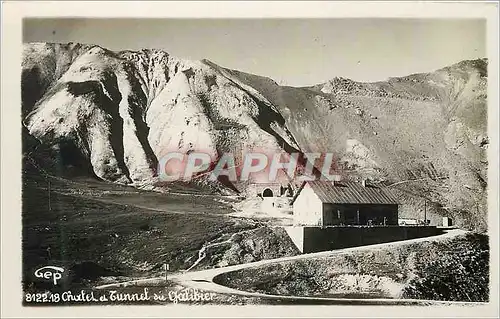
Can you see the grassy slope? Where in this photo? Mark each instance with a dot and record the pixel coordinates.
(117, 236)
(453, 269)
(98, 229)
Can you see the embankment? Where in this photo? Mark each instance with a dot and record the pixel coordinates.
(246, 246)
(452, 269)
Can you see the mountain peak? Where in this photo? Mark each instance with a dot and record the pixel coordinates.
(120, 113)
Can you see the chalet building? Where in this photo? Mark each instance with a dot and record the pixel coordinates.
(344, 203)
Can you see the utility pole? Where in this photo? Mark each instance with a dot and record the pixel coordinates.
(49, 196)
(425, 212)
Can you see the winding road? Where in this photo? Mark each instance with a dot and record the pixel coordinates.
(204, 279)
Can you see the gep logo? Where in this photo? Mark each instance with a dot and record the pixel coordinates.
(50, 273)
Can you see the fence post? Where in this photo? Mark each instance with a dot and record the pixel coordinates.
(166, 267)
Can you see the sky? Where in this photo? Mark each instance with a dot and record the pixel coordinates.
(295, 52)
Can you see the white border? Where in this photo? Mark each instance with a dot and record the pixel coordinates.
(12, 14)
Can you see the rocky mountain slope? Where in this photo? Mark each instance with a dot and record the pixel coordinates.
(424, 134)
(124, 110)
(115, 114)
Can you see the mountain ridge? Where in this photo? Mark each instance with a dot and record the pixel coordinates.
(121, 111)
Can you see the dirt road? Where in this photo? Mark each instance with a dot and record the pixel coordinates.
(203, 280)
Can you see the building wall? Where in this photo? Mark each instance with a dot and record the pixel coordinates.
(315, 239)
(296, 234)
(347, 214)
(447, 222)
(307, 208)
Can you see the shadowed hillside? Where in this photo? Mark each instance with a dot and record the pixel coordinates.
(113, 115)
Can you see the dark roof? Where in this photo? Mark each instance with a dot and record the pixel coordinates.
(350, 193)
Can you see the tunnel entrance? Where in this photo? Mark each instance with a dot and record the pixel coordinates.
(267, 193)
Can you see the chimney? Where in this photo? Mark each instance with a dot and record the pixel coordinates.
(363, 182)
